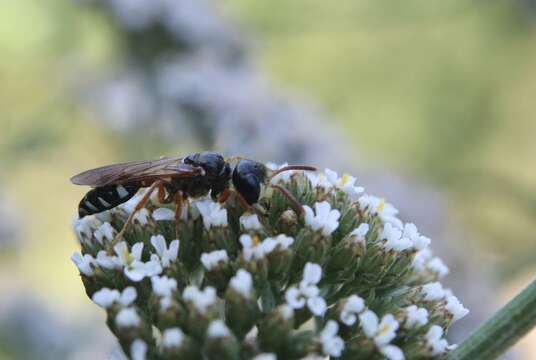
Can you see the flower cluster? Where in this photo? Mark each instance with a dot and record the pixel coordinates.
(344, 279)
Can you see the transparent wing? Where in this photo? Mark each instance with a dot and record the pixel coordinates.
(135, 171)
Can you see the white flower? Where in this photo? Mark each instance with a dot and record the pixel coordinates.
(323, 218)
(352, 307)
(214, 259)
(104, 231)
(369, 323)
(172, 338)
(166, 254)
(138, 350)
(433, 291)
(345, 183)
(312, 273)
(437, 266)
(201, 300)
(218, 329)
(359, 233)
(250, 222)
(382, 332)
(127, 317)
(212, 212)
(415, 317)
(107, 261)
(332, 344)
(84, 227)
(318, 180)
(456, 308)
(84, 263)
(106, 297)
(163, 285)
(434, 340)
(393, 239)
(308, 292)
(386, 330)
(419, 242)
(135, 269)
(421, 259)
(242, 283)
(131, 204)
(253, 249)
(392, 352)
(163, 214)
(386, 211)
(142, 216)
(265, 356)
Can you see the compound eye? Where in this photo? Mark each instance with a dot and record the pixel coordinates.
(248, 186)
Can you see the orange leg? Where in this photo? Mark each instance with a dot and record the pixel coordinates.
(297, 206)
(224, 196)
(161, 193)
(138, 207)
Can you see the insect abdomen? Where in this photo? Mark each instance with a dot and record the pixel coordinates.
(106, 198)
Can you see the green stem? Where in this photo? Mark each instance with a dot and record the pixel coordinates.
(502, 330)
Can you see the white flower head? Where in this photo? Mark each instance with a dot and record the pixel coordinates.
(166, 254)
(346, 183)
(163, 214)
(419, 242)
(318, 180)
(251, 248)
(135, 269)
(415, 317)
(108, 261)
(358, 234)
(127, 317)
(214, 259)
(212, 212)
(142, 216)
(138, 350)
(218, 329)
(172, 338)
(433, 291)
(392, 352)
(434, 340)
(84, 263)
(456, 308)
(265, 356)
(200, 299)
(105, 231)
(393, 239)
(323, 219)
(369, 323)
(377, 206)
(332, 344)
(242, 283)
(84, 227)
(250, 222)
(105, 297)
(163, 285)
(307, 292)
(436, 265)
(352, 307)
(386, 330)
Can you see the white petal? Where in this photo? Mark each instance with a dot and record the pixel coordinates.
(317, 306)
(138, 350)
(159, 243)
(294, 298)
(128, 295)
(312, 273)
(163, 214)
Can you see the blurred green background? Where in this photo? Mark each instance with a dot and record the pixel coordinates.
(442, 92)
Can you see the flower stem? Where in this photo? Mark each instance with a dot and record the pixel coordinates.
(502, 330)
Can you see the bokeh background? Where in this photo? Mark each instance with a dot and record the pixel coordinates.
(430, 103)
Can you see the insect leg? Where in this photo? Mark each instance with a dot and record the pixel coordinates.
(224, 195)
(178, 211)
(161, 193)
(297, 206)
(138, 207)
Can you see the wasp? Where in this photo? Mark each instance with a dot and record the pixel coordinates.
(176, 179)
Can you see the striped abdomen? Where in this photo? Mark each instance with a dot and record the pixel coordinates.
(106, 198)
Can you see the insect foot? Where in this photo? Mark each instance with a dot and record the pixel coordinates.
(234, 284)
